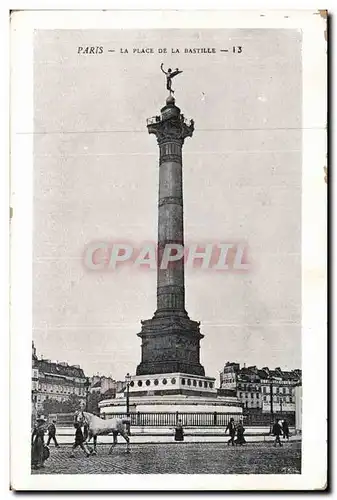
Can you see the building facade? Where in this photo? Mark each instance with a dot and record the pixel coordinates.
(100, 384)
(254, 387)
(55, 381)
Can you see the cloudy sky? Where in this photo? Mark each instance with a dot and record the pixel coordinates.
(96, 178)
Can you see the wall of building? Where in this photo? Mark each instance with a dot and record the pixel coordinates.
(252, 386)
(55, 381)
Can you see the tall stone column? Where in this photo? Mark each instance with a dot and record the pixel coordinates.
(170, 340)
(171, 133)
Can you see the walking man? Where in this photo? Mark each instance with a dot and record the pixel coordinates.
(285, 428)
(231, 428)
(240, 440)
(79, 422)
(52, 433)
(79, 441)
(277, 432)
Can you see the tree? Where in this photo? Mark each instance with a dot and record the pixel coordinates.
(93, 399)
(72, 404)
(69, 405)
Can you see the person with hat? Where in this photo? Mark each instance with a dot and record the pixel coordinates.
(277, 432)
(37, 443)
(179, 432)
(232, 429)
(240, 433)
(79, 441)
(52, 433)
(80, 437)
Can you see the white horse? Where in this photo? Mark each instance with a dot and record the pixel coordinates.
(99, 427)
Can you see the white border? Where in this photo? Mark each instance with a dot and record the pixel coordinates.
(313, 238)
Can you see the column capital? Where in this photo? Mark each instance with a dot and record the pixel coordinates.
(170, 125)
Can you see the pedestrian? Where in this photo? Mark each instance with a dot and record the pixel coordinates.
(39, 451)
(79, 441)
(277, 432)
(231, 428)
(80, 418)
(285, 429)
(239, 432)
(52, 434)
(179, 432)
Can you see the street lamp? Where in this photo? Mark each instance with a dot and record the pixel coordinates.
(86, 386)
(127, 382)
(271, 405)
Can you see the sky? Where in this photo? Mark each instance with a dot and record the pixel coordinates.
(96, 179)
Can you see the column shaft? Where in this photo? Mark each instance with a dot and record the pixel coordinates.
(170, 281)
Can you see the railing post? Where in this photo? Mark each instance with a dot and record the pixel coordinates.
(177, 417)
(138, 418)
(214, 418)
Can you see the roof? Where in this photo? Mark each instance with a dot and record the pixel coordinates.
(57, 369)
(253, 374)
(96, 384)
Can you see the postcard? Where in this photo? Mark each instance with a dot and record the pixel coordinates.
(168, 250)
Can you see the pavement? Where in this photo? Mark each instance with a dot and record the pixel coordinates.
(178, 458)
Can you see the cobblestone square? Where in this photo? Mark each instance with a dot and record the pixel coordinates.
(178, 458)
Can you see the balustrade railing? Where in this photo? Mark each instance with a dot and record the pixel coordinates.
(197, 419)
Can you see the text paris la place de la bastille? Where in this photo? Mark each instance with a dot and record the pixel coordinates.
(100, 49)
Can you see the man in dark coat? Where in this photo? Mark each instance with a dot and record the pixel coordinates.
(52, 433)
(239, 432)
(277, 432)
(179, 432)
(231, 428)
(285, 429)
(79, 441)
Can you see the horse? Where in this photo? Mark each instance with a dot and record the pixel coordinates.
(99, 427)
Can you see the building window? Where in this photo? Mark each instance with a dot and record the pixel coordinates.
(194, 383)
(148, 382)
(264, 398)
(290, 399)
(211, 385)
(156, 382)
(240, 396)
(183, 381)
(132, 383)
(164, 381)
(257, 395)
(205, 385)
(264, 390)
(200, 383)
(188, 382)
(140, 383)
(173, 380)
